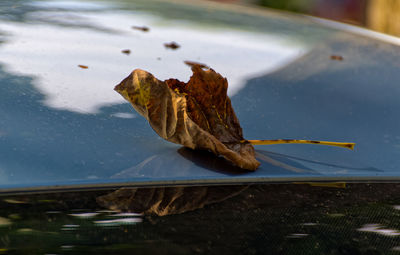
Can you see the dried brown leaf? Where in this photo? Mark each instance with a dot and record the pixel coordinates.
(172, 45)
(193, 63)
(337, 57)
(143, 28)
(127, 52)
(198, 115)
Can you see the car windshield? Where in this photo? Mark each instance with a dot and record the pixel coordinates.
(63, 124)
(82, 172)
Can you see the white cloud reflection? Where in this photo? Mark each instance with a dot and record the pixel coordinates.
(52, 54)
(379, 229)
(70, 5)
(124, 115)
(127, 215)
(84, 215)
(118, 222)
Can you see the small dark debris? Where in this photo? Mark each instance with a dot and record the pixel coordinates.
(127, 52)
(337, 57)
(144, 29)
(83, 66)
(158, 58)
(172, 45)
(192, 63)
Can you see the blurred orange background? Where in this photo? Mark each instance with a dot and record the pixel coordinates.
(379, 15)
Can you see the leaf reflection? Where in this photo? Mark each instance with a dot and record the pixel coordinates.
(167, 200)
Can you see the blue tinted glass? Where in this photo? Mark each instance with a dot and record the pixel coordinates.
(64, 125)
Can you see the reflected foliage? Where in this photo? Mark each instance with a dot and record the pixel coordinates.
(36, 12)
(290, 5)
(26, 12)
(14, 10)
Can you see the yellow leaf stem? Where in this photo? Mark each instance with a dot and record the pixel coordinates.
(282, 141)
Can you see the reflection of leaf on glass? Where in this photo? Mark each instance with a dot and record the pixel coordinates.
(167, 200)
(197, 114)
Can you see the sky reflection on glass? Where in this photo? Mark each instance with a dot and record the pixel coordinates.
(52, 53)
(64, 125)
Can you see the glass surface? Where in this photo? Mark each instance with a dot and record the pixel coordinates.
(62, 125)
(263, 219)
